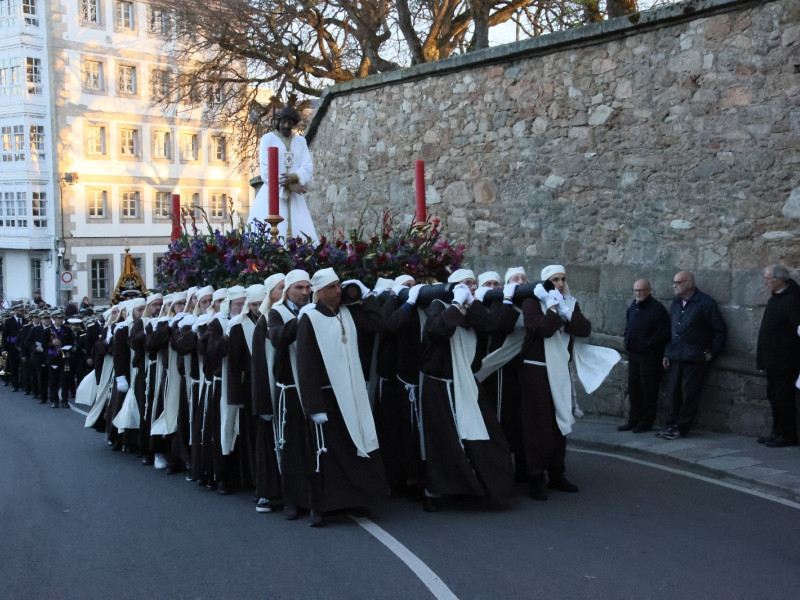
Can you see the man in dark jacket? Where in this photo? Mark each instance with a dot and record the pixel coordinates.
(778, 353)
(646, 334)
(12, 327)
(698, 335)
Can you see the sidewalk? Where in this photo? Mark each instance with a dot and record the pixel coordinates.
(733, 458)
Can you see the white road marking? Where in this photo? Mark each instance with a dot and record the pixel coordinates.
(727, 484)
(430, 579)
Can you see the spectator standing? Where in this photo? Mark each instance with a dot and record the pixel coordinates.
(646, 335)
(778, 353)
(698, 335)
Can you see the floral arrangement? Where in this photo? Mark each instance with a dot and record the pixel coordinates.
(245, 254)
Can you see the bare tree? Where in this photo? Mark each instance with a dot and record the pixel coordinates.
(228, 53)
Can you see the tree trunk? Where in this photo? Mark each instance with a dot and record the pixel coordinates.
(617, 8)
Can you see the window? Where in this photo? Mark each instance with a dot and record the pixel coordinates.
(160, 82)
(189, 203)
(189, 146)
(99, 278)
(160, 23)
(218, 146)
(218, 205)
(96, 140)
(90, 11)
(130, 204)
(39, 209)
(162, 204)
(13, 143)
(128, 142)
(92, 75)
(96, 204)
(36, 274)
(162, 144)
(216, 94)
(10, 76)
(126, 79)
(15, 209)
(36, 136)
(124, 14)
(33, 72)
(29, 10)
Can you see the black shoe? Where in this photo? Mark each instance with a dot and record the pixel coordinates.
(65, 405)
(223, 489)
(14, 389)
(116, 446)
(641, 429)
(212, 485)
(770, 437)
(42, 401)
(781, 442)
(147, 461)
(315, 520)
(562, 484)
(538, 488)
(290, 512)
(54, 405)
(626, 427)
(431, 505)
(174, 468)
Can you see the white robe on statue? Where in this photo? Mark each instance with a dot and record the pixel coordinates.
(302, 165)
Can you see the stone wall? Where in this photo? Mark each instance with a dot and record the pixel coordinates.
(632, 148)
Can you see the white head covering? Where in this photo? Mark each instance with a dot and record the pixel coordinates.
(270, 283)
(153, 297)
(292, 277)
(384, 283)
(551, 270)
(236, 292)
(220, 294)
(204, 291)
(178, 297)
(132, 304)
(255, 293)
(401, 279)
(190, 293)
(460, 275)
(514, 271)
(488, 276)
(322, 278)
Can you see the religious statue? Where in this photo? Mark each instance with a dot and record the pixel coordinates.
(295, 169)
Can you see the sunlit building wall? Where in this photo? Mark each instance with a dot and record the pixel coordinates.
(100, 160)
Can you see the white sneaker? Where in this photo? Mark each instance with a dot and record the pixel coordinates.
(263, 506)
(159, 462)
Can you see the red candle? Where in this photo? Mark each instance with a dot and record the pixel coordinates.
(272, 176)
(419, 174)
(176, 216)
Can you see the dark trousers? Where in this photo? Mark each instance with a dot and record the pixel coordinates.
(12, 367)
(58, 381)
(644, 380)
(43, 376)
(685, 385)
(781, 394)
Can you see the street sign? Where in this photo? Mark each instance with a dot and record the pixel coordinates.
(67, 281)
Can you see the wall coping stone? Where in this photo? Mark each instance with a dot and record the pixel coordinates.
(586, 35)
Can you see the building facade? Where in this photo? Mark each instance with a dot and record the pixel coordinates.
(90, 161)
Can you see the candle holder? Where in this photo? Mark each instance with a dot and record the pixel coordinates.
(273, 220)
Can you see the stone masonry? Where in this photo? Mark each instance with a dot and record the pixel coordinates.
(636, 147)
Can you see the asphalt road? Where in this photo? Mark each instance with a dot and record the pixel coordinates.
(82, 522)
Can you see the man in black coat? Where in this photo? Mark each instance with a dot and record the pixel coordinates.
(12, 327)
(646, 334)
(778, 353)
(698, 335)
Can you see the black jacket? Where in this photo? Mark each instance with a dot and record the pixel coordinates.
(647, 327)
(695, 329)
(778, 343)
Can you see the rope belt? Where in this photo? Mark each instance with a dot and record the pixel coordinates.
(499, 393)
(280, 440)
(320, 434)
(411, 390)
(535, 362)
(147, 387)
